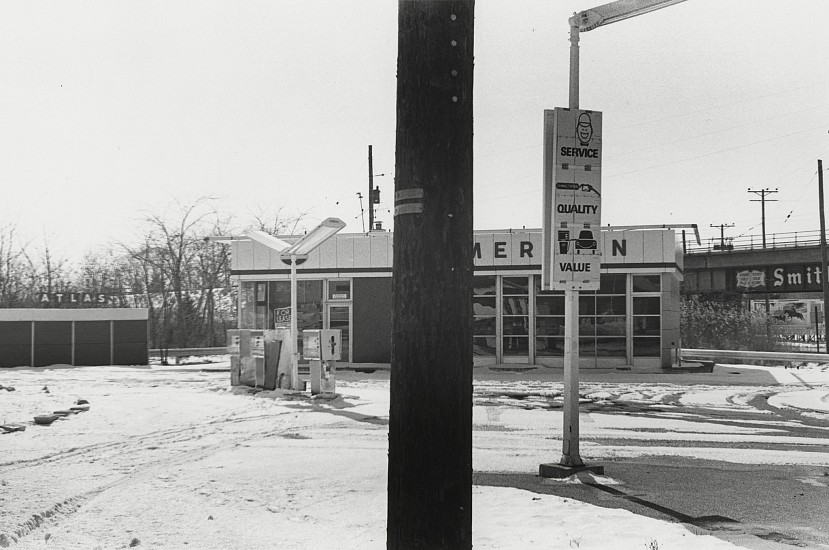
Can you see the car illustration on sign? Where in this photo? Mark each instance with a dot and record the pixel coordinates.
(586, 241)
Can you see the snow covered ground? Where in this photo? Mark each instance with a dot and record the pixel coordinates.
(174, 458)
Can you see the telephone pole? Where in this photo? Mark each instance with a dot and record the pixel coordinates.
(823, 274)
(762, 200)
(371, 191)
(430, 414)
(722, 227)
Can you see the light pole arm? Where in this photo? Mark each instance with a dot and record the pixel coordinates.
(620, 10)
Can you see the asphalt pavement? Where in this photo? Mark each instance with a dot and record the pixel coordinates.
(754, 506)
(757, 506)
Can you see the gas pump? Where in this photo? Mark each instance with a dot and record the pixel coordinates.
(234, 349)
(322, 349)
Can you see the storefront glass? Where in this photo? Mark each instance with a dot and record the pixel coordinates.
(308, 301)
(484, 307)
(339, 290)
(516, 315)
(602, 317)
(647, 320)
(252, 304)
(549, 321)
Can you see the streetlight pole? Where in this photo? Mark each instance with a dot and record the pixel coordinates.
(297, 253)
(294, 329)
(293, 254)
(574, 64)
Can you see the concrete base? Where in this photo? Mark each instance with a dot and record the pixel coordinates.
(558, 471)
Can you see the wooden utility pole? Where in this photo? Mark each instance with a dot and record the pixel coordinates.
(370, 190)
(430, 417)
(722, 227)
(823, 274)
(763, 200)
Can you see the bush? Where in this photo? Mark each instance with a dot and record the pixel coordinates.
(726, 326)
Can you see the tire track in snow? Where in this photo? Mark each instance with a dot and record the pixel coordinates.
(126, 461)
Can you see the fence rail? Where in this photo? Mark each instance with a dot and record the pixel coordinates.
(755, 242)
(782, 356)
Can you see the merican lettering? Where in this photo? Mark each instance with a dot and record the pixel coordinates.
(504, 249)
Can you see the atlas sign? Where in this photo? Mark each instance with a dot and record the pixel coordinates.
(571, 251)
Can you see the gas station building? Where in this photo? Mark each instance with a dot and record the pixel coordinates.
(346, 284)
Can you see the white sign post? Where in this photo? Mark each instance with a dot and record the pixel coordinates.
(571, 246)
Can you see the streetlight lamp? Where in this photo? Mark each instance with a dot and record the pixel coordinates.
(584, 21)
(294, 254)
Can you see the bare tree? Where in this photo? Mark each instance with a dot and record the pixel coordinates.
(13, 269)
(111, 273)
(275, 221)
(213, 264)
(47, 272)
(181, 271)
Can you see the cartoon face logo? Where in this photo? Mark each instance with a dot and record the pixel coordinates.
(584, 129)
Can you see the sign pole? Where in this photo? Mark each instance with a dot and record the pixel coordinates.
(570, 437)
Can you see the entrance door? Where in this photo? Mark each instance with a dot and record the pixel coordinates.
(339, 317)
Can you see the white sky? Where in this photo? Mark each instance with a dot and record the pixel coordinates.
(111, 109)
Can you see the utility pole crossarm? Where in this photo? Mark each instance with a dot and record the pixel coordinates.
(620, 10)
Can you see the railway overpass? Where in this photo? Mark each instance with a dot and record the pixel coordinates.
(785, 277)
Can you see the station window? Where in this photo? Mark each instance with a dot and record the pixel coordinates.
(339, 290)
(602, 316)
(309, 304)
(483, 303)
(549, 321)
(250, 315)
(647, 283)
(647, 316)
(516, 315)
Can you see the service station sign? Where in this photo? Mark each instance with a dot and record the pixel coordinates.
(572, 252)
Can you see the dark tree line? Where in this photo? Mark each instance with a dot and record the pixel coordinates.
(172, 269)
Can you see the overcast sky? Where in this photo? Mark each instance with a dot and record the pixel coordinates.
(109, 110)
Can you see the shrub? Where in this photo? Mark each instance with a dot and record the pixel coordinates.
(726, 326)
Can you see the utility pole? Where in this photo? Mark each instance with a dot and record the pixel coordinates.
(762, 200)
(430, 415)
(370, 191)
(823, 274)
(722, 227)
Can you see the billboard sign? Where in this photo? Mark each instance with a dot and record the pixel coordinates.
(571, 248)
